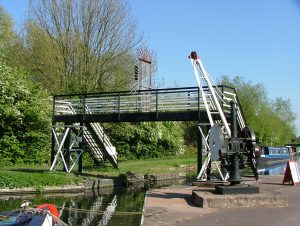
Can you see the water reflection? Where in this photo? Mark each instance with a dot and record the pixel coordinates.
(274, 167)
(111, 206)
(100, 211)
(102, 207)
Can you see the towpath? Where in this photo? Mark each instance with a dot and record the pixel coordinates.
(173, 206)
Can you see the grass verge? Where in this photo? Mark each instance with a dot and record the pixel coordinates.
(172, 164)
(39, 176)
(34, 176)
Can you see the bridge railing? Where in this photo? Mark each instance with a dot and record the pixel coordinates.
(157, 100)
(179, 99)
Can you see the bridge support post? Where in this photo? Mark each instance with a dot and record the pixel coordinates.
(199, 150)
(67, 146)
(79, 170)
(52, 144)
(67, 149)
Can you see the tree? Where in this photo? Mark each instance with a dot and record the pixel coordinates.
(146, 139)
(81, 46)
(273, 121)
(283, 108)
(12, 49)
(7, 35)
(24, 119)
(251, 96)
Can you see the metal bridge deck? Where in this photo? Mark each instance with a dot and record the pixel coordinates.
(175, 104)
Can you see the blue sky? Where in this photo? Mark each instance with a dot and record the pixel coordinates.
(256, 39)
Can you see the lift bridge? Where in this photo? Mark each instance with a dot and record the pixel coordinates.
(77, 119)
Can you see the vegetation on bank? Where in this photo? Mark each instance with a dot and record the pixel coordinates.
(171, 164)
(25, 119)
(68, 48)
(20, 176)
(34, 176)
(272, 120)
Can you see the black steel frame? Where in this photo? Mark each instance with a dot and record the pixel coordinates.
(187, 115)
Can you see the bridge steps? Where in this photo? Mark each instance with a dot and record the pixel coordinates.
(95, 140)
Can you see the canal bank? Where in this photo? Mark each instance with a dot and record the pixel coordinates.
(73, 188)
(105, 206)
(128, 180)
(174, 206)
(96, 202)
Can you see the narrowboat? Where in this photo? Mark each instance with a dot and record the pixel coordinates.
(43, 215)
(275, 153)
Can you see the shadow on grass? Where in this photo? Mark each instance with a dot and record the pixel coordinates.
(28, 170)
(95, 175)
(41, 171)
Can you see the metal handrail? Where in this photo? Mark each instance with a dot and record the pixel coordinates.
(156, 101)
(98, 129)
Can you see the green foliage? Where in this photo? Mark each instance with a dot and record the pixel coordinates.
(251, 96)
(190, 132)
(272, 121)
(190, 150)
(12, 50)
(24, 119)
(7, 35)
(147, 140)
(70, 48)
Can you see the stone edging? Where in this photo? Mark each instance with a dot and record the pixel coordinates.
(88, 184)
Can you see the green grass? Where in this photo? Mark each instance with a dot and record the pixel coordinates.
(170, 164)
(34, 176)
(40, 176)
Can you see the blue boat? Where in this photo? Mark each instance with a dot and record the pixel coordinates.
(43, 215)
(17, 218)
(275, 153)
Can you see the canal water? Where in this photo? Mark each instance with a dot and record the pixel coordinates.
(109, 206)
(275, 167)
(101, 207)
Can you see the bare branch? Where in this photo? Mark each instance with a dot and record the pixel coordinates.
(93, 40)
